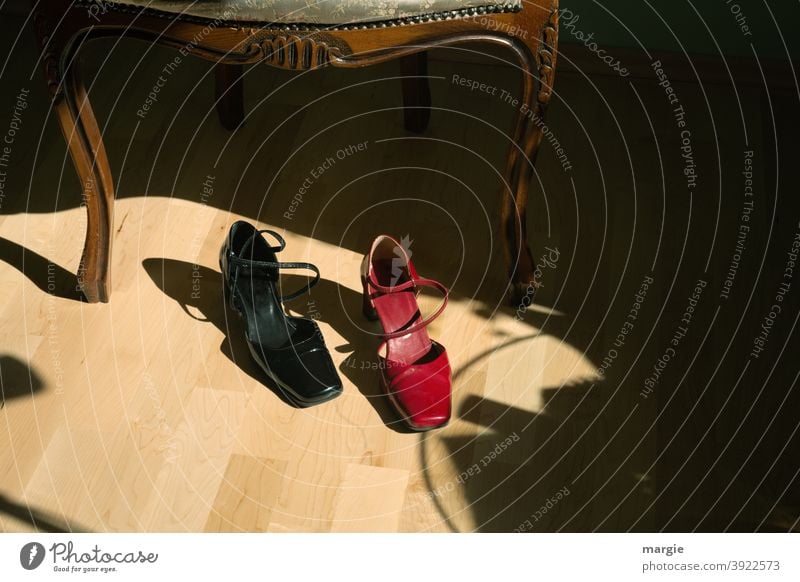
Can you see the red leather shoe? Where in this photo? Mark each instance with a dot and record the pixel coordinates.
(415, 371)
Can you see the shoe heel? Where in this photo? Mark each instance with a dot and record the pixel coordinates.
(367, 307)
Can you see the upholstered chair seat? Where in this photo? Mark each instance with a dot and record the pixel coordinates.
(329, 12)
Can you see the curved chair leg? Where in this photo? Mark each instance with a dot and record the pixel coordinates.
(522, 156)
(89, 157)
(416, 91)
(229, 93)
(85, 143)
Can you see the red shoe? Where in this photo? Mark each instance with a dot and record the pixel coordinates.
(415, 372)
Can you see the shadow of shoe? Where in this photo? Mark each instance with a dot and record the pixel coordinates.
(340, 307)
(198, 290)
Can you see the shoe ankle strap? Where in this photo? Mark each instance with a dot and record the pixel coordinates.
(413, 283)
(239, 261)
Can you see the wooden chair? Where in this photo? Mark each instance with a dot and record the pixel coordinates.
(233, 37)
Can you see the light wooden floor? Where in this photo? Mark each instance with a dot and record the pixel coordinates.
(147, 415)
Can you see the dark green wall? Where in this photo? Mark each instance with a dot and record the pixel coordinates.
(627, 23)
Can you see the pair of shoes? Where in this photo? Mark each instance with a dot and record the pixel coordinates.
(290, 350)
(415, 372)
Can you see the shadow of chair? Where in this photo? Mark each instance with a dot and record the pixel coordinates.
(46, 275)
(41, 521)
(17, 379)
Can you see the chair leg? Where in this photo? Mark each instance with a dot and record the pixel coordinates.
(513, 216)
(537, 63)
(88, 153)
(416, 91)
(229, 95)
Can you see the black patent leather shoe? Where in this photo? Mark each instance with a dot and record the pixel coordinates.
(290, 350)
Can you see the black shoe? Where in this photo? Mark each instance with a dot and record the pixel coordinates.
(291, 350)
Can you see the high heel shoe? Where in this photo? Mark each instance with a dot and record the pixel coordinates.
(415, 371)
(290, 350)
